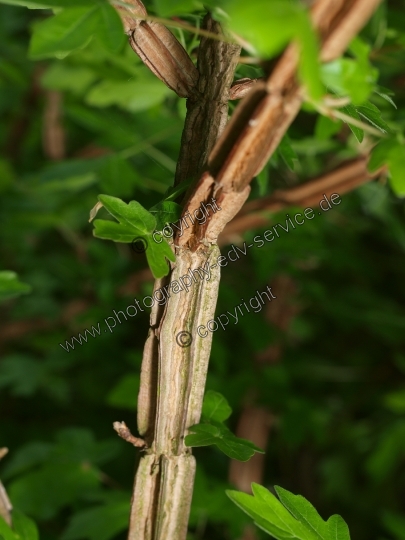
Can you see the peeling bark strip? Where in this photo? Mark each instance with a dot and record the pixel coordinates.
(241, 87)
(158, 49)
(165, 57)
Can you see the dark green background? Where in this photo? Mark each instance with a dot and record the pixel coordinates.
(337, 391)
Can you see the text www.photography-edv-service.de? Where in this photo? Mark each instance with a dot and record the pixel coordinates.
(185, 282)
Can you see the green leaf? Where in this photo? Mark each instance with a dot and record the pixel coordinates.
(165, 212)
(281, 516)
(204, 435)
(337, 528)
(156, 255)
(217, 434)
(237, 448)
(67, 31)
(287, 152)
(373, 115)
(135, 222)
(109, 30)
(132, 215)
(351, 77)
(215, 407)
(255, 510)
(109, 230)
(270, 515)
(351, 111)
(303, 510)
(270, 26)
(24, 527)
(10, 286)
(5, 531)
(386, 94)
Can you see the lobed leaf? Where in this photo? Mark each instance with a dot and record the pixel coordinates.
(134, 223)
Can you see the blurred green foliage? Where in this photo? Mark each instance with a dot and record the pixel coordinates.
(89, 118)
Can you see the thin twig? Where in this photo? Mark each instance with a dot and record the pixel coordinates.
(124, 432)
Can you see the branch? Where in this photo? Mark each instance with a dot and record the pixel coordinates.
(262, 118)
(342, 180)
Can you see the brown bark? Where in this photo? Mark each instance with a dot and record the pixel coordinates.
(207, 107)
